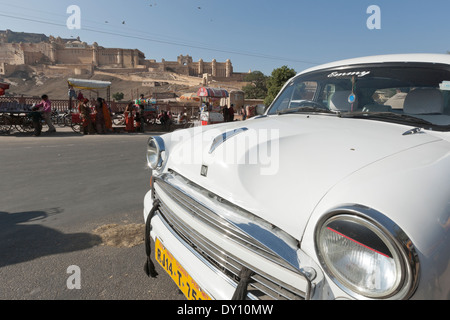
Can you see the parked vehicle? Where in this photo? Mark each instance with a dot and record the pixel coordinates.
(340, 190)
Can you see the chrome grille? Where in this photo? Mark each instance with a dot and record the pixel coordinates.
(263, 286)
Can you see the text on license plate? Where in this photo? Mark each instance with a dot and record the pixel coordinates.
(182, 279)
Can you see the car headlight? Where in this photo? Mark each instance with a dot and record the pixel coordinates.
(155, 148)
(366, 254)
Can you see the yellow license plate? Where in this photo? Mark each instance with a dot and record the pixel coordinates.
(182, 279)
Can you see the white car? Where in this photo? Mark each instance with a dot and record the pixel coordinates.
(340, 190)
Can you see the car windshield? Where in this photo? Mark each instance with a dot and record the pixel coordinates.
(406, 93)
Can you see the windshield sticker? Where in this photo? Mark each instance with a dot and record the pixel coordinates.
(352, 98)
(445, 85)
(359, 74)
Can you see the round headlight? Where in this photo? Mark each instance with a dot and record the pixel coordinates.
(364, 258)
(155, 147)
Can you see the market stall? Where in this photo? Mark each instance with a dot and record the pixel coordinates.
(84, 84)
(211, 111)
(148, 110)
(90, 85)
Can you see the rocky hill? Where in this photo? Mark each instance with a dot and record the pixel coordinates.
(9, 36)
(131, 85)
(46, 74)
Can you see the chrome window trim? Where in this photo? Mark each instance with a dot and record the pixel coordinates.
(402, 243)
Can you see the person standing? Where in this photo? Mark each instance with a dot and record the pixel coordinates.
(243, 113)
(140, 108)
(107, 116)
(100, 117)
(129, 118)
(225, 114)
(46, 108)
(36, 117)
(231, 113)
(85, 113)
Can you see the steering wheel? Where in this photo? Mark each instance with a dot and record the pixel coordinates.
(311, 102)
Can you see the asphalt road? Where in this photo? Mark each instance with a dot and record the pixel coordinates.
(54, 191)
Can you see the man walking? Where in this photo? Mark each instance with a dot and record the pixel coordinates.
(46, 108)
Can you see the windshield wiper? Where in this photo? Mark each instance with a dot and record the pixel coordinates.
(304, 109)
(388, 116)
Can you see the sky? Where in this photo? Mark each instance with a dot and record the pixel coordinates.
(256, 35)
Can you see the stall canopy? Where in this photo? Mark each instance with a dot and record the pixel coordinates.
(190, 97)
(93, 85)
(212, 92)
(3, 87)
(88, 84)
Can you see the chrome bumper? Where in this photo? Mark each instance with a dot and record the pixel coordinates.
(227, 238)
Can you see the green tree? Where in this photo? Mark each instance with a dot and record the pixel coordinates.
(118, 96)
(257, 88)
(276, 81)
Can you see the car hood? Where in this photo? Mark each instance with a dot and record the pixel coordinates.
(280, 167)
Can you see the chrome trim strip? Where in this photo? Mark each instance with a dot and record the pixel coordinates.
(217, 259)
(242, 226)
(160, 147)
(412, 131)
(224, 137)
(199, 256)
(207, 218)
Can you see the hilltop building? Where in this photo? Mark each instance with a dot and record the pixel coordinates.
(50, 55)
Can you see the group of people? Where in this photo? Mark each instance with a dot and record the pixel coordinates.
(165, 118)
(228, 113)
(134, 111)
(135, 118)
(100, 123)
(102, 120)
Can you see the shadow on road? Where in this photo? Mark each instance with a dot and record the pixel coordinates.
(22, 240)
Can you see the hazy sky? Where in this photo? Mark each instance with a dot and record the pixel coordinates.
(254, 34)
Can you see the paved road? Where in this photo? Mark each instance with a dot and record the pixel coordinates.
(54, 191)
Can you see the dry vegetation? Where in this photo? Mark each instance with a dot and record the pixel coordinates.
(121, 236)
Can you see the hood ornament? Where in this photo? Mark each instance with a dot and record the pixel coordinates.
(224, 137)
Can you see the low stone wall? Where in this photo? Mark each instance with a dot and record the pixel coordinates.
(10, 103)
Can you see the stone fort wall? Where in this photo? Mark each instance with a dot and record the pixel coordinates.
(78, 57)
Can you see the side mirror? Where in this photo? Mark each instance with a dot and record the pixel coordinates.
(260, 109)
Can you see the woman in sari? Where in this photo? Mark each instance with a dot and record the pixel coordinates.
(99, 117)
(107, 117)
(85, 114)
(129, 118)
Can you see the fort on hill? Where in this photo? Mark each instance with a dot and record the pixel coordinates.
(29, 52)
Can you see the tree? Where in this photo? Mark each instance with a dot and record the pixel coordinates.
(257, 88)
(276, 81)
(118, 96)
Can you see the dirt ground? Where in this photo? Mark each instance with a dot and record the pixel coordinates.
(121, 236)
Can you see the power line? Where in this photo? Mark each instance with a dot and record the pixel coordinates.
(53, 14)
(143, 38)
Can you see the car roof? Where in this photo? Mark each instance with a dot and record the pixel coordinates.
(410, 57)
